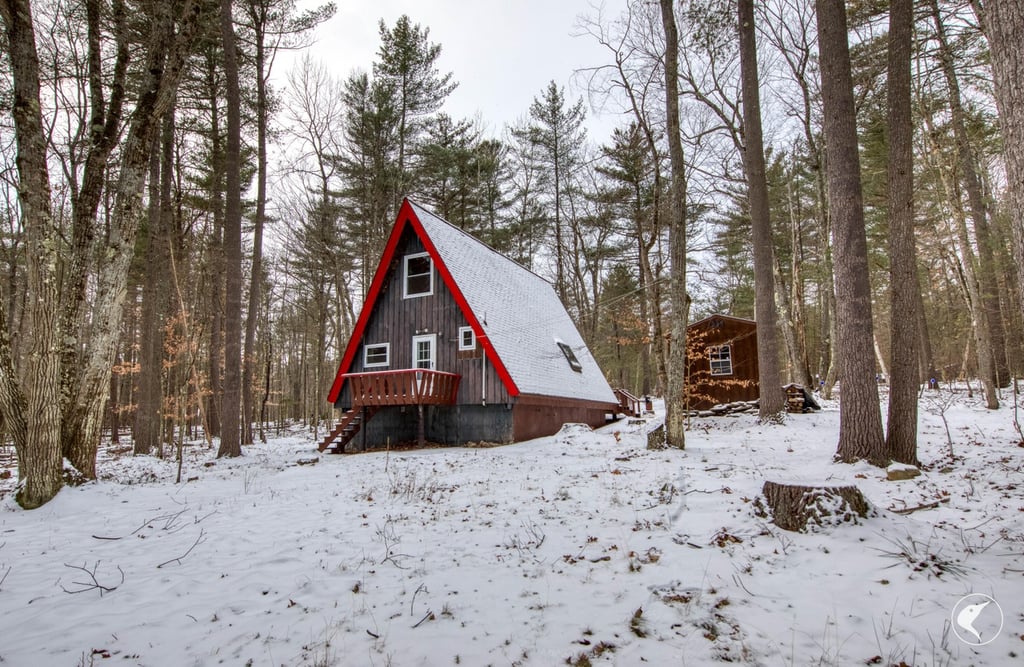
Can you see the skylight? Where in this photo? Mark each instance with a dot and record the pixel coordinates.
(570, 356)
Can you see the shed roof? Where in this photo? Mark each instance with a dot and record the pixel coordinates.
(720, 316)
(515, 313)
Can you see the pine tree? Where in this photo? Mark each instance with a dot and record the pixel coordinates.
(1004, 26)
(557, 134)
(860, 422)
(772, 399)
(901, 433)
(407, 62)
(230, 437)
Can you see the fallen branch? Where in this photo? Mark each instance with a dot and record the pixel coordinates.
(199, 540)
(430, 616)
(4, 578)
(412, 605)
(926, 506)
(94, 584)
(170, 522)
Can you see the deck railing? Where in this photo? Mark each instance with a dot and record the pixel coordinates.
(628, 403)
(403, 387)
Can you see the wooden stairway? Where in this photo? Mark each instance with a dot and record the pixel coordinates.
(342, 434)
(628, 403)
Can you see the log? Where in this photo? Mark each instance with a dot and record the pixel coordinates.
(794, 506)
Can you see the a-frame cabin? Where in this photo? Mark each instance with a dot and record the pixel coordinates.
(457, 343)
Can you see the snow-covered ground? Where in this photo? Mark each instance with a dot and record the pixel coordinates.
(582, 548)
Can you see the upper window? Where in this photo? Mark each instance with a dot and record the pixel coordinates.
(467, 339)
(419, 275)
(720, 357)
(570, 356)
(377, 355)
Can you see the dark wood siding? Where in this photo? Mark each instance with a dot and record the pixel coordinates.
(456, 425)
(703, 389)
(538, 416)
(396, 320)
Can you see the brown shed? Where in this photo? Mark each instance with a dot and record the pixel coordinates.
(721, 365)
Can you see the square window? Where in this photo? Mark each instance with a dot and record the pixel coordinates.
(467, 339)
(419, 275)
(720, 358)
(377, 355)
(570, 356)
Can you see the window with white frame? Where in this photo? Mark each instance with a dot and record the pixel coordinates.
(720, 357)
(467, 339)
(424, 351)
(419, 275)
(377, 355)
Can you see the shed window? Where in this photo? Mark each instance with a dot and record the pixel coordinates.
(720, 357)
(375, 356)
(419, 275)
(467, 339)
(570, 356)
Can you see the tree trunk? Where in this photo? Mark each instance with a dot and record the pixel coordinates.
(926, 360)
(675, 395)
(148, 407)
(249, 359)
(860, 420)
(795, 302)
(772, 401)
(901, 435)
(230, 437)
(216, 294)
(104, 127)
(31, 403)
(1003, 21)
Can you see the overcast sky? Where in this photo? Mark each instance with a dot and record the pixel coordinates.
(503, 53)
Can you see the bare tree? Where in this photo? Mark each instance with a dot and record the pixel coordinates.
(635, 75)
(31, 406)
(31, 401)
(675, 399)
(273, 24)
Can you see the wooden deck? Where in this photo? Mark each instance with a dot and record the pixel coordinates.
(372, 391)
(403, 387)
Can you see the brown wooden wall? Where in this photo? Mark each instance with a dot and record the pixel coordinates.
(704, 390)
(396, 320)
(537, 416)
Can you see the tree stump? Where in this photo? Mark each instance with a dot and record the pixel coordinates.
(795, 505)
(656, 437)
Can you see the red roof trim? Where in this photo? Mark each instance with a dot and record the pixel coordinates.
(407, 216)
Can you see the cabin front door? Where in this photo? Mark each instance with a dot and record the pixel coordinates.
(424, 351)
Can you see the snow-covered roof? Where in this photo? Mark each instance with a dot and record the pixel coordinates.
(519, 313)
